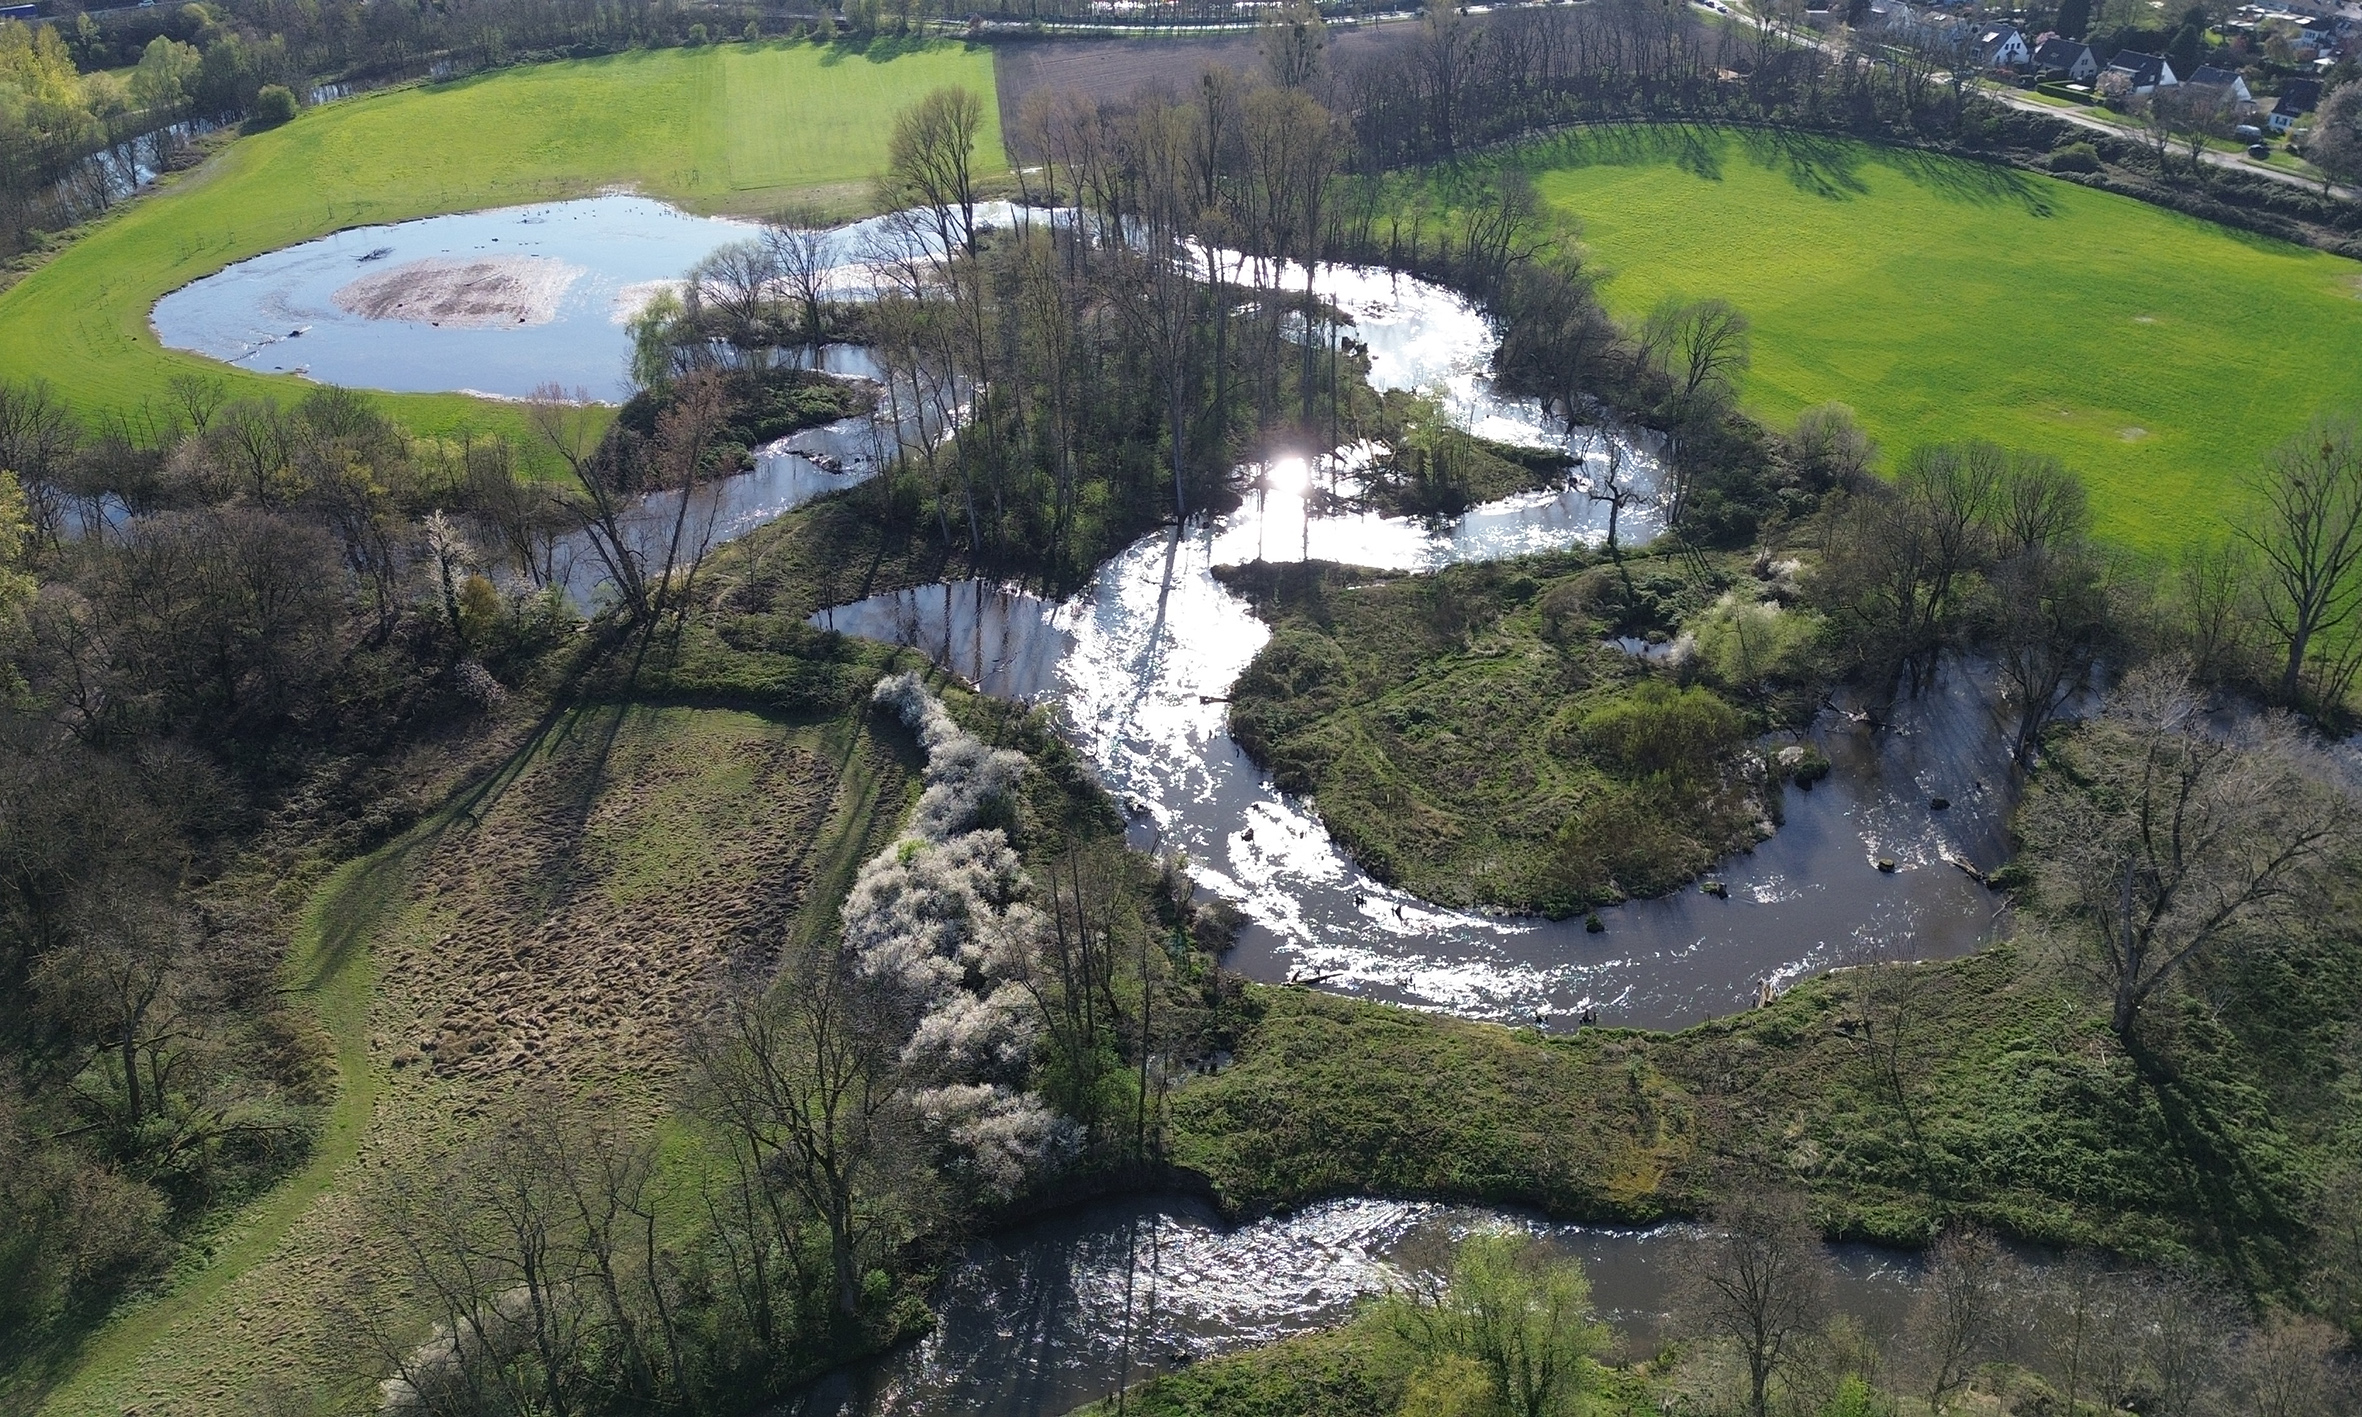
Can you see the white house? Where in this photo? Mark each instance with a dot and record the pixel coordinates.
(2131, 72)
(2297, 98)
(2071, 57)
(2003, 47)
(2232, 87)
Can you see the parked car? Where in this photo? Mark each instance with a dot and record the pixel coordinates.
(2258, 150)
(2248, 133)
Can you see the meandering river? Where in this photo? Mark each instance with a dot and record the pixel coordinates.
(1136, 668)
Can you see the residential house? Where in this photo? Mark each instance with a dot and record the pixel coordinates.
(2297, 98)
(2002, 47)
(2228, 83)
(2070, 59)
(2131, 73)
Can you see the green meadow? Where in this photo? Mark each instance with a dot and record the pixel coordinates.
(2157, 354)
(727, 128)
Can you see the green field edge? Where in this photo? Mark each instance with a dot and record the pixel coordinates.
(331, 968)
(431, 415)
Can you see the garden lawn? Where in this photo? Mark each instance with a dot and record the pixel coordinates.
(729, 128)
(2158, 355)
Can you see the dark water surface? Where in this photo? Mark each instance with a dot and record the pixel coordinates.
(1043, 1318)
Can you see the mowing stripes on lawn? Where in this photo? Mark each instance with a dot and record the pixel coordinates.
(2159, 355)
(732, 128)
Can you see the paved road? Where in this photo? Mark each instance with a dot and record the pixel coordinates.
(2236, 162)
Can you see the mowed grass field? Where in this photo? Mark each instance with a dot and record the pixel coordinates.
(728, 128)
(2159, 355)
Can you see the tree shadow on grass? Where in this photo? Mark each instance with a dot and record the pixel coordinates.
(1693, 149)
(1818, 166)
(2241, 1205)
(877, 49)
(1983, 184)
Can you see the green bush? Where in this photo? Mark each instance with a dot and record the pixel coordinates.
(1744, 643)
(2075, 157)
(1657, 729)
(274, 104)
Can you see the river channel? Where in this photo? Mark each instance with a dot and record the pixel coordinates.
(1045, 1317)
(1136, 668)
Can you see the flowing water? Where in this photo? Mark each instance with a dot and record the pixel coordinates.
(1065, 1310)
(1138, 664)
(787, 474)
(1045, 1317)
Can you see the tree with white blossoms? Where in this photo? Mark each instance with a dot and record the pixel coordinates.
(942, 922)
(839, 1081)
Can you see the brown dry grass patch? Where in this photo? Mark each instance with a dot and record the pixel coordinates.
(558, 924)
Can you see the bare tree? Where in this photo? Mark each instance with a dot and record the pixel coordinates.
(1612, 489)
(2290, 1365)
(2092, 1331)
(38, 437)
(1960, 1317)
(1889, 1030)
(1760, 1282)
(684, 434)
(2186, 838)
(2213, 620)
(1697, 345)
(2335, 144)
(2054, 619)
(736, 280)
(799, 247)
(807, 1080)
(1830, 448)
(198, 397)
(1902, 565)
(1294, 39)
(2309, 536)
(930, 158)
(570, 427)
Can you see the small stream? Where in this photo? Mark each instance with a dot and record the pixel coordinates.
(1043, 1318)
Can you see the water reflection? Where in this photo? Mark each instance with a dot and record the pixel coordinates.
(1043, 1318)
(1139, 664)
(787, 474)
(279, 313)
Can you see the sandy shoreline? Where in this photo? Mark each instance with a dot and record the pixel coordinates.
(485, 292)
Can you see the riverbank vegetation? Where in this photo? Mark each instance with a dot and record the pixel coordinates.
(1899, 1097)
(1474, 737)
(1063, 385)
(741, 1037)
(1504, 1326)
